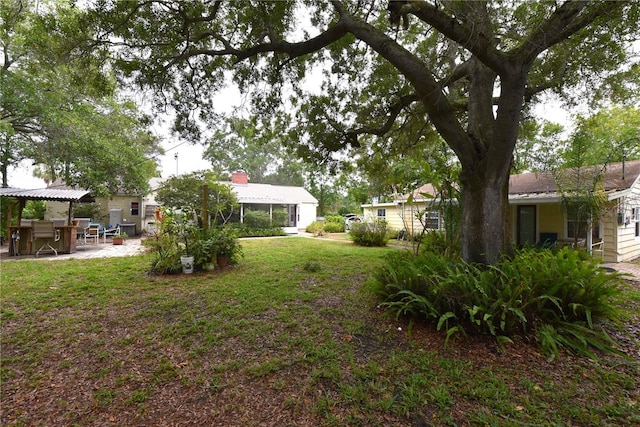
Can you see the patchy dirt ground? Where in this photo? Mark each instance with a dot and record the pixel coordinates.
(98, 380)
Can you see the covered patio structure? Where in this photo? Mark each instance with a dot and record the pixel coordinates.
(55, 194)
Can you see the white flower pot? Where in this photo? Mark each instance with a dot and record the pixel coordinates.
(187, 264)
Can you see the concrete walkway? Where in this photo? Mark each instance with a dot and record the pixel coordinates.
(132, 246)
(627, 268)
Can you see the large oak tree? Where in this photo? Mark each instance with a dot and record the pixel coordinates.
(464, 68)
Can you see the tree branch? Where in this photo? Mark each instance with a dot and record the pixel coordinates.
(393, 114)
(428, 90)
(294, 50)
(565, 21)
(471, 37)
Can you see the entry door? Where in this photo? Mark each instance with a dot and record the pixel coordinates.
(292, 215)
(526, 225)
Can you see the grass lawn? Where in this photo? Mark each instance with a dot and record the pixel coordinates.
(290, 336)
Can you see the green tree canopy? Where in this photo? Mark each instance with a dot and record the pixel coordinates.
(604, 137)
(185, 192)
(463, 68)
(58, 105)
(240, 145)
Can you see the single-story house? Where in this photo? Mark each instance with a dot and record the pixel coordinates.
(124, 209)
(136, 212)
(537, 215)
(299, 204)
(401, 214)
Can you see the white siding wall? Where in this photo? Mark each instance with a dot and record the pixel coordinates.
(610, 237)
(628, 247)
(307, 214)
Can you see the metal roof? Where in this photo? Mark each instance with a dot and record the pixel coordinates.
(57, 194)
(272, 194)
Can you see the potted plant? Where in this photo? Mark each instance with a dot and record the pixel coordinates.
(227, 247)
(118, 239)
(185, 229)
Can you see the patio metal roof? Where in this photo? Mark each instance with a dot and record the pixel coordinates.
(57, 194)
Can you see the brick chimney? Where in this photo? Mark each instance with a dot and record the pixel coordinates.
(239, 177)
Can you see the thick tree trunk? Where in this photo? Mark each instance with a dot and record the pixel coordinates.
(485, 225)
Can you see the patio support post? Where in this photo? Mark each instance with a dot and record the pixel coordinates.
(21, 205)
(70, 213)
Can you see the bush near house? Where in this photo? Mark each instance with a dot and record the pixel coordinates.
(316, 228)
(373, 233)
(255, 220)
(261, 224)
(562, 298)
(334, 227)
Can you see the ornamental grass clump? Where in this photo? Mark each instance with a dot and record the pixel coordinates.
(561, 298)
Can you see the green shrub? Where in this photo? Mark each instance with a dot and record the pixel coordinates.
(279, 218)
(369, 233)
(35, 209)
(263, 232)
(176, 236)
(436, 241)
(224, 241)
(334, 227)
(256, 220)
(316, 228)
(167, 252)
(561, 298)
(202, 246)
(334, 219)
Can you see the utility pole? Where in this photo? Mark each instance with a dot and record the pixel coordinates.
(175, 156)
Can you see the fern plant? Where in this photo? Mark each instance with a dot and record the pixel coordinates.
(561, 298)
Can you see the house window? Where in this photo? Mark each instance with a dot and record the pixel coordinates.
(432, 220)
(382, 213)
(135, 208)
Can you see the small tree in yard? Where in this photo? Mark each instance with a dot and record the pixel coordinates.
(186, 191)
(466, 69)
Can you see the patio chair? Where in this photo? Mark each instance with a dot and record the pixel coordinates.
(83, 225)
(110, 232)
(94, 231)
(44, 230)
